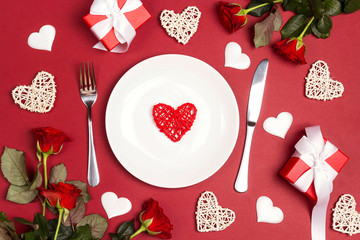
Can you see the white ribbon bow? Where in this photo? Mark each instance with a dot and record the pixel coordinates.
(116, 19)
(313, 151)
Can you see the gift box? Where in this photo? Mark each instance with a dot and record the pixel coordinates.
(114, 22)
(296, 167)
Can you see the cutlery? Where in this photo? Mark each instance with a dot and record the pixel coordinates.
(253, 112)
(88, 94)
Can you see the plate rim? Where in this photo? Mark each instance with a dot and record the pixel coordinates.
(226, 84)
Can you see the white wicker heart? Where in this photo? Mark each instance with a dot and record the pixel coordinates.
(319, 85)
(210, 216)
(39, 96)
(345, 218)
(181, 26)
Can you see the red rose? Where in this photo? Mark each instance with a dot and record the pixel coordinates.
(49, 139)
(61, 195)
(154, 220)
(231, 16)
(291, 48)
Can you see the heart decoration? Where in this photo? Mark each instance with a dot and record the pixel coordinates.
(174, 123)
(235, 58)
(345, 218)
(210, 216)
(319, 85)
(181, 26)
(43, 39)
(39, 96)
(115, 206)
(266, 212)
(278, 126)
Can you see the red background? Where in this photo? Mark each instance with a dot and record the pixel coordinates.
(284, 91)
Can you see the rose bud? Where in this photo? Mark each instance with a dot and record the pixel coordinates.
(61, 195)
(292, 49)
(154, 220)
(49, 140)
(232, 16)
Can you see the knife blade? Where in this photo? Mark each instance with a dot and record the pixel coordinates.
(253, 112)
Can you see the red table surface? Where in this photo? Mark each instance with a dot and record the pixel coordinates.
(284, 91)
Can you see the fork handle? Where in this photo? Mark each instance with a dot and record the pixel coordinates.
(241, 183)
(93, 172)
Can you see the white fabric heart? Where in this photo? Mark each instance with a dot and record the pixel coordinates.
(319, 85)
(266, 212)
(181, 26)
(280, 125)
(345, 218)
(39, 96)
(43, 39)
(235, 58)
(115, 206)
(210, 216)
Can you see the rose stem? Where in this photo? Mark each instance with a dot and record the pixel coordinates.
(259, 6)
(307, 26)
(61, 211)
(141, 229)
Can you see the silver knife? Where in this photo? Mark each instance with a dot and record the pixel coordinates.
(253, 112)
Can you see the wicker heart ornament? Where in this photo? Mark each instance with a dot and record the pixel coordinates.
(345, 218)
(319, 85)
(39, 96)
(174, 123)
(181, 26)
(210, 216)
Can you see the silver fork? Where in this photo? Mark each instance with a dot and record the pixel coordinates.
(88, 94)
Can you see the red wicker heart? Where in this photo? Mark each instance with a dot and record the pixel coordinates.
(174, 123)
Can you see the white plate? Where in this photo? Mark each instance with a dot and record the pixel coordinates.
(145, 151)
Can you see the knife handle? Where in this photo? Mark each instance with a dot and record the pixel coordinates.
(241, 183)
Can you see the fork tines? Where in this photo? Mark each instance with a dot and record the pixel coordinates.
(87, 77)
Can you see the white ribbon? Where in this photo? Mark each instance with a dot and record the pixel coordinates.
(313, 151)
(116, 19)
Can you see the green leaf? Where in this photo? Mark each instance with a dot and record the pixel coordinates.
(294, 26)
(332, 7)
(324, 24)
(262, 10)
(42, 222)
(84, 190)
(30, 236)
(97, 223)
(3, 217)
(76, 214)
(317, 33)
(115, 236)
(127, 228)
(82, 233)
(318, 8)
(26, 222)
(352, 6)
(64, 232)
(13, 167)
(298, 6)
(264, 31)
(58, 174)
(37, 179)
(22, 195)
(39, 224)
